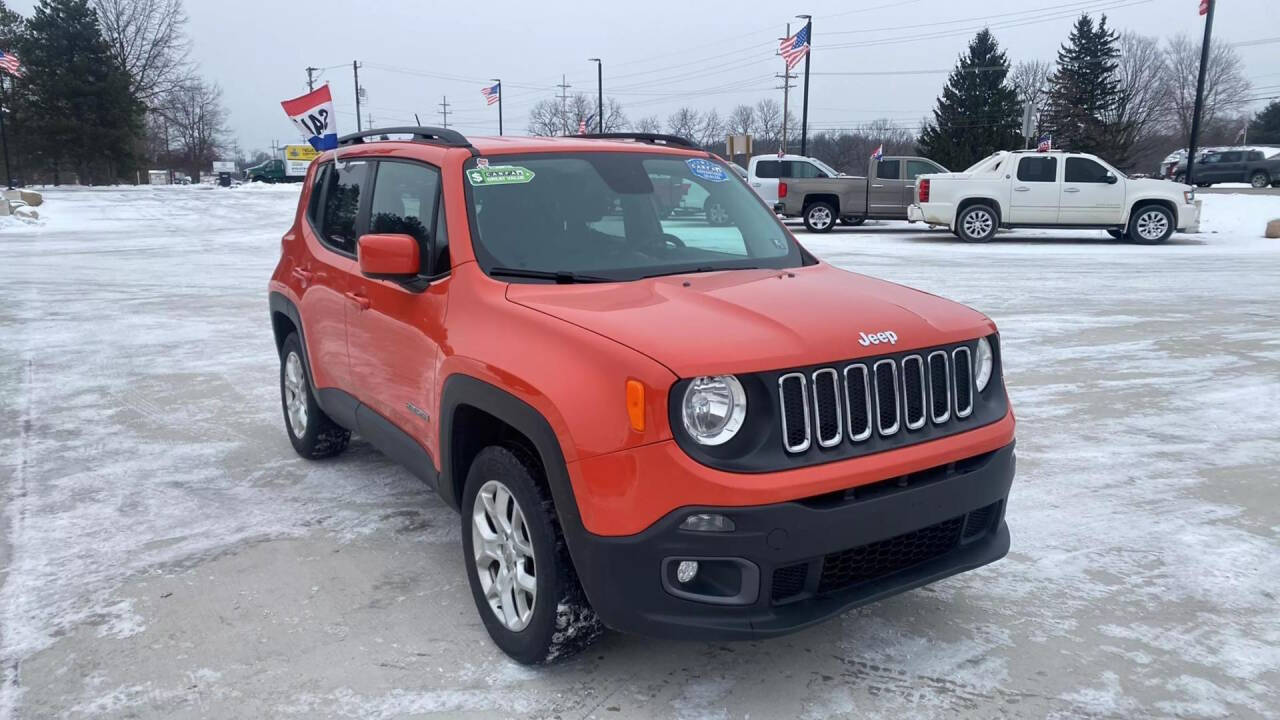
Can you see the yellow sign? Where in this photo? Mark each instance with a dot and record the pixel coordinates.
(304, 153)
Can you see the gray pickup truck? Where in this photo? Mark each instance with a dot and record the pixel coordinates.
(884, 196)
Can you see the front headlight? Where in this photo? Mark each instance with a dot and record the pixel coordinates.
(982, 365)
(1189, 196)
(713, 409)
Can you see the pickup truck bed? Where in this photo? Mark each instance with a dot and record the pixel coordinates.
(885, 195)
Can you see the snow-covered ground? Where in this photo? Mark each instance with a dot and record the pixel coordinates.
(165, 554)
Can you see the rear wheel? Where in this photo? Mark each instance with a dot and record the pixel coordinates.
(1259, 179)
(853, 220)
(977, 224)
(819, 217)
(1151, 224)
(313, 434)
(715, 212)
(521, 576)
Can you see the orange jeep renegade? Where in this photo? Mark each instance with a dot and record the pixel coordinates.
(649, 420)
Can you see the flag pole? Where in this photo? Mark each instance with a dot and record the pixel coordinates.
(4, 140)
(804, 113)
(498, 82)
(1204, 62)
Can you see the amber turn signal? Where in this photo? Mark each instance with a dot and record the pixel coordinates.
(635, 404)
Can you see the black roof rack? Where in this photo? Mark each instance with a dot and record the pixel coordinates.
(433, 135)
(653, 138)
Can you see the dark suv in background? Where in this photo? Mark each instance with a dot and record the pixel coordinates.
(1232, 166)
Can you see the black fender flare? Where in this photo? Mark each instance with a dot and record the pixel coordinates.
(280, 303)
(466, 390)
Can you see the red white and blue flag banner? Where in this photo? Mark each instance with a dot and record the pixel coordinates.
(313, 114)
(879, 153)
(492, 93)
(9, 63)
(1204, 7)
(1045, 144)
(794, 48)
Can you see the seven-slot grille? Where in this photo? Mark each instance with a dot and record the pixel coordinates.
(884, 397)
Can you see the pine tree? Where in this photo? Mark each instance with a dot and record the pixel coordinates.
(1084, 91)
(78, 112)
(1265, 127)
(978, 112)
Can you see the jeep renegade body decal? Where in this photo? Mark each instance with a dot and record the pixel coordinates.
(499, 175)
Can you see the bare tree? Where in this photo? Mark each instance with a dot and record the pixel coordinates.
(1142, 101)
(685, 123)
(555, 117)
(615, 120)
(741, 120)
(1225, 86)
(546, 118)
(1030, 79)
(711, 131)
(148, 39)
(768, 115)
(649, 124)
(197, 123)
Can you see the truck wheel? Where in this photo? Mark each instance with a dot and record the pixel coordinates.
(820, 217)
(715, 212)
(313, 434)
(1151, 224)
(977, 224)
(1259, 179)
(855, 221)
(1180, 178)
(522, 579)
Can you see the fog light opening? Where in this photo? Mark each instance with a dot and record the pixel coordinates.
(707, 522)
(686, 571)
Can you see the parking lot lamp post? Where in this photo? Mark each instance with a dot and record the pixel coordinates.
(599, 93)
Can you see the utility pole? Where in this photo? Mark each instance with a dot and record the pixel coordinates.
(599, 92)
(355, 71)
(444, 111)
(498, 82)
(804, 114)
(311, 83)
(564, 107)
(1207, 7)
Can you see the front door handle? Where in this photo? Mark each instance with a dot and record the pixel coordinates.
(1070, 189)
(875, 186)
(1022, 188)
(358, 299)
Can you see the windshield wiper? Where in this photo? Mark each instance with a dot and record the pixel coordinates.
(561, 277)
(703, 269)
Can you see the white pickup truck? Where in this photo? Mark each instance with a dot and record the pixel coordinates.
(1053, 189)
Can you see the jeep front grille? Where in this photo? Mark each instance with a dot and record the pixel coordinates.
(884, 397)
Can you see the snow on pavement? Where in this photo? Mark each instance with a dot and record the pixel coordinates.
(166, 554)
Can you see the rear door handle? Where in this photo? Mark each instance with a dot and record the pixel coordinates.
(877, 186)
(304, 276)
(1021, 188)
(1070, 189)
(358, 299)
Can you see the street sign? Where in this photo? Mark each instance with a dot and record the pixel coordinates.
(221, 166)
(1028, 120)
(738, 144)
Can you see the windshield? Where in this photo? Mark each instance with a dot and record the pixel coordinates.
(618, 216)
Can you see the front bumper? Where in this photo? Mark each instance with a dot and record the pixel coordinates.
(804, 561)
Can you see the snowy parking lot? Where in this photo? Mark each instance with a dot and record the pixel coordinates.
(165, 554)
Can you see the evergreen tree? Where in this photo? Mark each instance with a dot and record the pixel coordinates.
(12, 31)
(1084, 91)
(78, 113)
(978, 112)
(1265, 127)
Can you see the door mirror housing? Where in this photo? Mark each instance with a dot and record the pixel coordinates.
(389, 256)
(1111, 178)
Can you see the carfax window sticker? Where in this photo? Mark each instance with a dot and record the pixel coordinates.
(706, 170)
(499, 175)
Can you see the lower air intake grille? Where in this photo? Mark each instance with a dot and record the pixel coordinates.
(789, 581)
(868, 562)
(979, 521)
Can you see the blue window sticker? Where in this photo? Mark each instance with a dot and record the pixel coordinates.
(707, 170)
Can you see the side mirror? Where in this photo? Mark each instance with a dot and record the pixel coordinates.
(388, 257)
(1111, 178)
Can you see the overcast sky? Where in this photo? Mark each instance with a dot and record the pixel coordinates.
(658, 55)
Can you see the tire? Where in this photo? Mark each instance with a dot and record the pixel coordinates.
(1180, 178)
(313, 433)
(977, 224)
(1204, 184)
(1150, 224)
(820, 217)
(1116, 233)
(560, 621)
(1259, 179)
(853, 221)
(715, 212)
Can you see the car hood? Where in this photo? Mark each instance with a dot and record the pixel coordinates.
(1156, 184)
(752, 320)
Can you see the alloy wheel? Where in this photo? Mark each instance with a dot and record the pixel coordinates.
(504, 555)
(717, 215)
(295, 394)
(1152, 225)
(820, 217)
(978, 223)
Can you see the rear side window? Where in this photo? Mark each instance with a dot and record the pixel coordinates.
(800, 169)
(888, 170)
(1231, 157)
(1084, 170)
(769, 169)
(343, 186)
(916, 168)
(315, 202)
(404, 202)
(1254, 155)
(1038, 169)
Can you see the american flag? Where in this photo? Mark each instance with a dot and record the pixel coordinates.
(1045, 144)
(9, 63)
(1204, 7)
(879, 153)
(794, 48)
(492, 93)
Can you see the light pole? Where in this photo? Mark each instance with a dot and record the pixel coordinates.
(804, 113)
(599, 93)
(498, 82)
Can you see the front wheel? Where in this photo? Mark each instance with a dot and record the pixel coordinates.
(1259, 180)
(313, 433)
(1151, 225)
(977, 224)
(820, 217)
(521, 576)
(715, 212)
